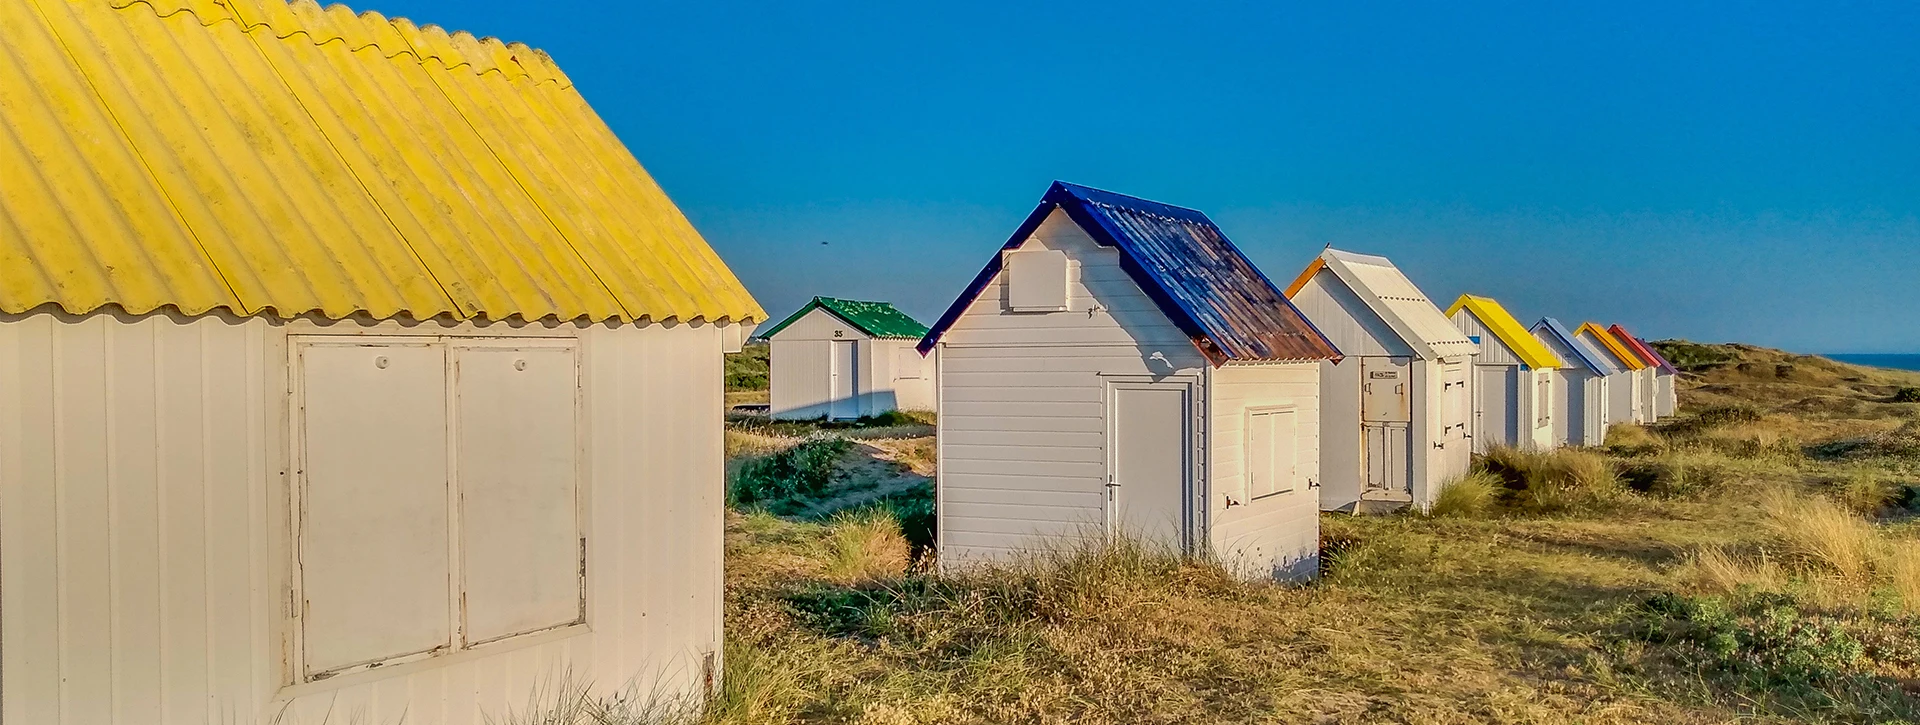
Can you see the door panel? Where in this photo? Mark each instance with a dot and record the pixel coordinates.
(516, 450)
(1150, 466)
(845, 401)
(1386, 385)
(373, 564)
(1389, 471)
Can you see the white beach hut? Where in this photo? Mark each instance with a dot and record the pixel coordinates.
(1660, 394)
(839, 359)
(349, 370)
(1580, 389)
(1626, 397)
(1514, 375)
(1396, 411)
(1119, 366)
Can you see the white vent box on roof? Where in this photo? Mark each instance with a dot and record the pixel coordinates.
(1037, 280)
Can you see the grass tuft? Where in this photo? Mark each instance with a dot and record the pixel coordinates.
(864, 546)
(1821, 533)
(1468, 496)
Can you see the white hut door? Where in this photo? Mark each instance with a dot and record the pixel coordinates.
(1494, 412)
(1147, 480)
(844, 400)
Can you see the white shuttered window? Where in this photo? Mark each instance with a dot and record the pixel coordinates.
(1273, 451)
(437, 503)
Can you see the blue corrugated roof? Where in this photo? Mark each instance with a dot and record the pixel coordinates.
(1590, 357)
(1182, 260)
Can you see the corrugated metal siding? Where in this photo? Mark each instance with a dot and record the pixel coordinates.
(259, 156)
(1494, 349)
(1022, 401)
(1277, 534)
(143, 550)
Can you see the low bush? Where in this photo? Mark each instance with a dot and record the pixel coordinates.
(1865, 492)
(1906, 395)
(747, 369)
(1675, 474)
(1764, 644)
(779, 481)
(864, 546)
(1628, 439)
(1467, 496)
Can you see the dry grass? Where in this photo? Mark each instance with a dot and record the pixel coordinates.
(864, 546)
(1719, 570)
(1561, 480)
(1822, 534)
(1633, 439)
(1903, 572)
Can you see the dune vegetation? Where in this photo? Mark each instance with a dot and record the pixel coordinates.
(1755, 558)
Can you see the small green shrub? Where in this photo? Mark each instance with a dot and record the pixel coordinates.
(1906, 395)
(1674, 475)
(1761, 645)
(1550, 481)
(780, 480)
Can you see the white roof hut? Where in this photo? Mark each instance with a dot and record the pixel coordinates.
(1119, 366)
(839, 359)
(1626, 387)
(348, 369)
(1513, 377)
(1580, 392)
(1396, 411)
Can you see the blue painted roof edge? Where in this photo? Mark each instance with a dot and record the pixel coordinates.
(1567, 340)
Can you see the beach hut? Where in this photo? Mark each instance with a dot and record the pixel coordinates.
(1120, 367)
(1661, 392)
(1395, 412)
(1580, 385)
(349, 371)
(839, 359)
(1513, 377)
(1624, 396)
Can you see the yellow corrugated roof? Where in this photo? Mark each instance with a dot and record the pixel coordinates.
(1613, 346)
(1530, 350)
(262, 156)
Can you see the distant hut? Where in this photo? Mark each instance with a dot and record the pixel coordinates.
(1662, 392)
(1396, 412)
(1514, 374)
(1580, 388)
(1624, 397)
(839, 359)
(1120, 367)
(350, 371)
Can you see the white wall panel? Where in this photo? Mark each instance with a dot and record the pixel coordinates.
(144, 563)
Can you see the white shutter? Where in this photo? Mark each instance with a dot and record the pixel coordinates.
(373, 548)
(516, 448)
(907, 364)
(1259, 454)
(1037, 280)
(1273, 451)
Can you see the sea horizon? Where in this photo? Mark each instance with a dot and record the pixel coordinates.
(1897, 361)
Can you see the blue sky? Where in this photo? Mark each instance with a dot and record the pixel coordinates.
(1709, 171)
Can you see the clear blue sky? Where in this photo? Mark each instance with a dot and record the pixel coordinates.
(1745, 172)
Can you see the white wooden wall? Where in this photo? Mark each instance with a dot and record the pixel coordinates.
(800, 370)
(1524, 405)
(1022, 400)
(1277, 535)
(144, 566)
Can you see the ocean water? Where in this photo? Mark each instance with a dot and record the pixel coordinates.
(1899, 362)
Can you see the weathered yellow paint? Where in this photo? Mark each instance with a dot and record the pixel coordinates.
(1531, 351)
(1614, 347)
(267, 157)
